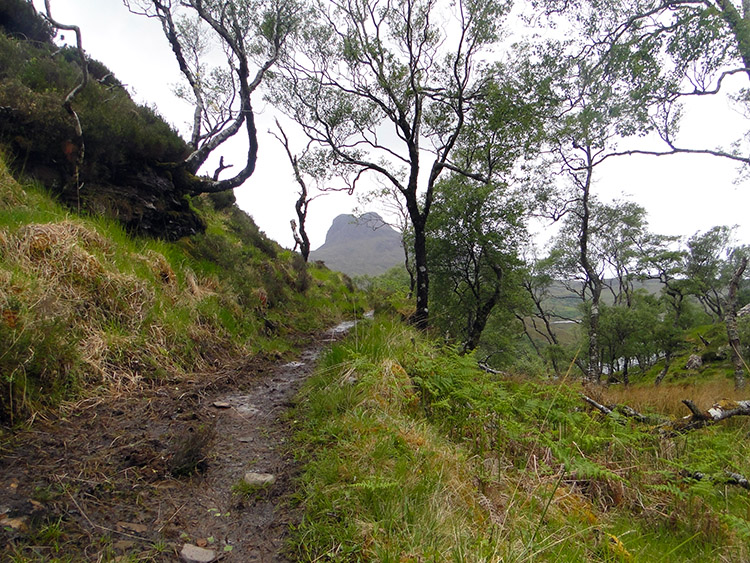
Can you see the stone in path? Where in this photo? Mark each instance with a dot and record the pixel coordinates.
(259, 479)
(193, 554)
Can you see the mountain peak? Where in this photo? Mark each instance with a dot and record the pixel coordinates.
(360, 245)
(347, 226)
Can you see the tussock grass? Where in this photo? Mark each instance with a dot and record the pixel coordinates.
(86, 309)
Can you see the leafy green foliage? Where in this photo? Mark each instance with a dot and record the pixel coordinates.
(474, 236)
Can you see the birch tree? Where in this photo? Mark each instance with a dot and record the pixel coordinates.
(389, 87)
(250, 35)
(669, 51)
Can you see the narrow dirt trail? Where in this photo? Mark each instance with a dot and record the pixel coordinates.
(252, 432)
(99, 484)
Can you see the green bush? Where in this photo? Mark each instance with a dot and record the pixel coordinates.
(119, 134)
(19, 18)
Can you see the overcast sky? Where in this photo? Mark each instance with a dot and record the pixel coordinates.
(681, 194)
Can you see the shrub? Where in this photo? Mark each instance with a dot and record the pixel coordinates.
(18, 17)
(222, 200)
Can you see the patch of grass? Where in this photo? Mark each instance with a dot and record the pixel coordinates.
(380, 483)
(191, 451)
(245, 491)
(404, 439)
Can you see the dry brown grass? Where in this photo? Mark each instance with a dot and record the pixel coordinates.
(200, 288)
(64, 271)
(69, 260)
(161, 268)
(667, 399)
(53, 239)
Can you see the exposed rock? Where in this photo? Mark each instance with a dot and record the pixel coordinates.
(364, 245)
(17, 524)
(222, 405)
(259, 479)
(193, 554)
(744, 312)
(143, 198)
(694, 362)
(146, 202)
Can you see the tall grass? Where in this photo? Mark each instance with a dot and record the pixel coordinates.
(381, 483)
(407, 444)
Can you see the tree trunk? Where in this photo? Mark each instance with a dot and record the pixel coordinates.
(730, 320)
(409, 267)
(663, 372)
(420, 319)
(480, 321)
(594, 370)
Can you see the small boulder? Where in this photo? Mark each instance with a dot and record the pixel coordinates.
(259, 479)
(193, 554)
(694, 362)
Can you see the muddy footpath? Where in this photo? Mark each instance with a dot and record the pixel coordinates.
(196, 471)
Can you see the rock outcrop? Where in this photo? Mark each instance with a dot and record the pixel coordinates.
(360, 245)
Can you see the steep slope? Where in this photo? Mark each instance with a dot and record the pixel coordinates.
(141, 379)
(122, 174)
(363, 245)
(84, 307)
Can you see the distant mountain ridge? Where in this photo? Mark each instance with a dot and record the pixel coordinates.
(363, 245)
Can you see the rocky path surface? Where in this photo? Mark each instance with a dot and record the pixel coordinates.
(106, 483)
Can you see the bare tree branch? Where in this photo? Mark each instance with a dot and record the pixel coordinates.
(68, 103)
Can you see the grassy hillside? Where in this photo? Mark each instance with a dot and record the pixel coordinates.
(87, 309)
(413, 454)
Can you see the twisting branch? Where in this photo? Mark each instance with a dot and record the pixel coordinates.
(68, 103)
(220, 168)
(298, 229)
(730, 478)
(251, 48)
(698, 419)
(598, 406)
(624, 410)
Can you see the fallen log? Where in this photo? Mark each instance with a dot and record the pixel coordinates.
(720, 411)
(698, 419)
(598, 406)
(624, 410)
(730, 478)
